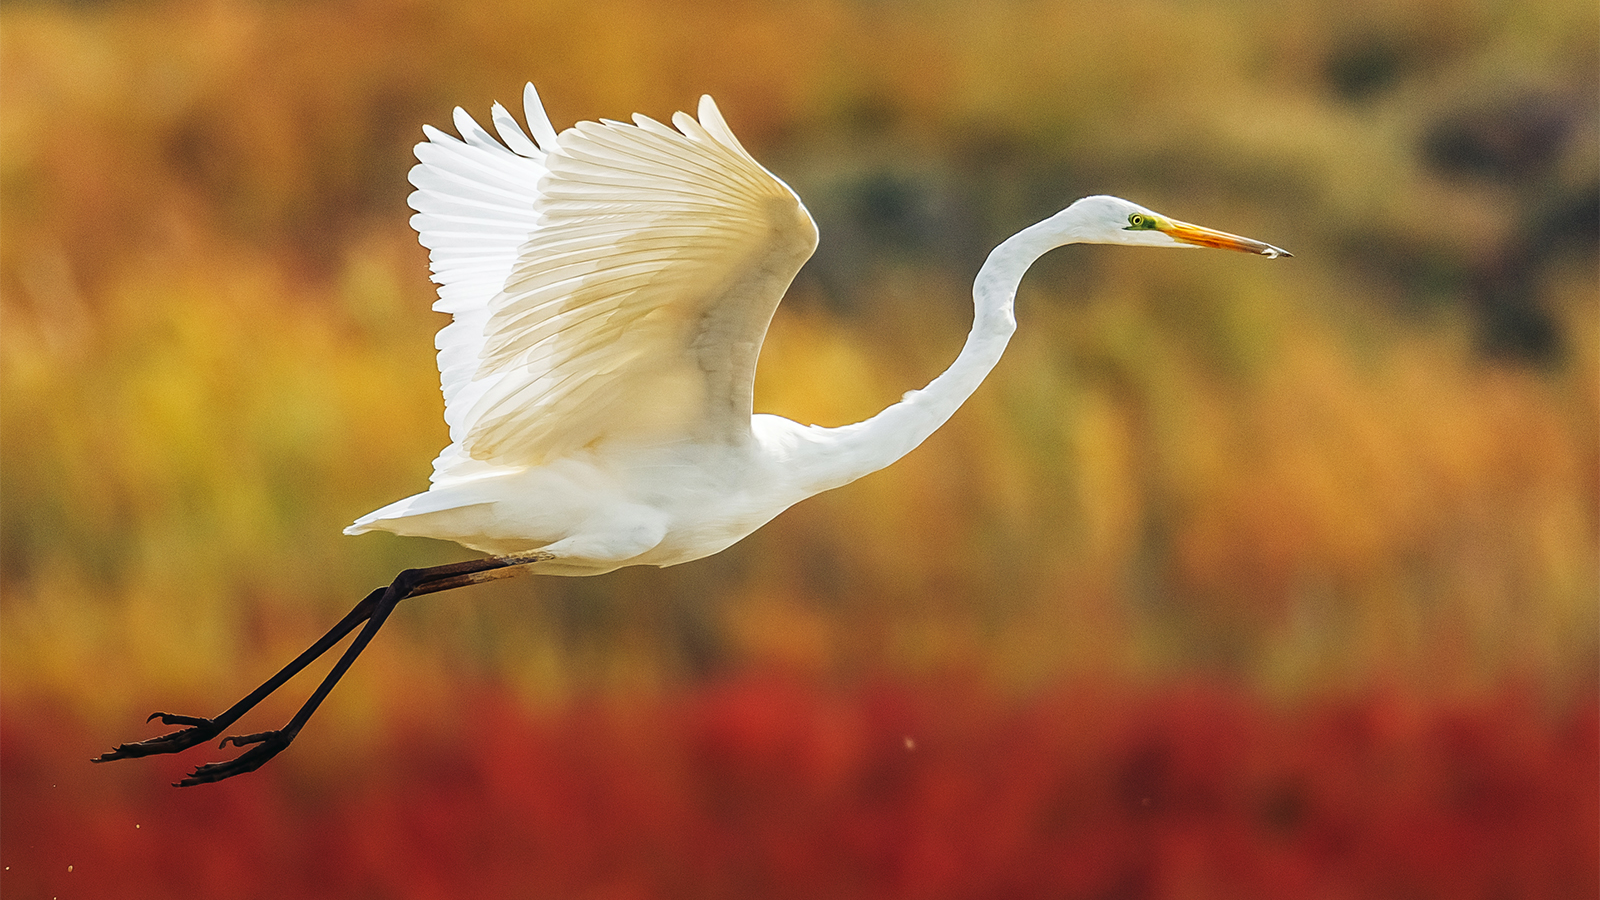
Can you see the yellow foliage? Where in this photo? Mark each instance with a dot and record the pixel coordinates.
(216, 348)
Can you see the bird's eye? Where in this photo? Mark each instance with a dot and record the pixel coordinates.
(1139, 222)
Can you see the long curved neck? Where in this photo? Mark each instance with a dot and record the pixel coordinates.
(851, 451)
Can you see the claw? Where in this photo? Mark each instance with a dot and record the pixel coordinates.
(240, 740)
(268, 744)
(175, 719)
(199, 731)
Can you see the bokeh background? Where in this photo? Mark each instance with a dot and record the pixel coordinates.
(1237, 579)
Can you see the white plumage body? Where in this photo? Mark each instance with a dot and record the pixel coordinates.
(602, 508)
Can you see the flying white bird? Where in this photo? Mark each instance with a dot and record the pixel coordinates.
(611, 286)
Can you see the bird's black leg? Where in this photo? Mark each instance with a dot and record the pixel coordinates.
(268, 744)
(201, 730)
(374, 609)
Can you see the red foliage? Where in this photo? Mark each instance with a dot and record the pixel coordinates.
(764, 787)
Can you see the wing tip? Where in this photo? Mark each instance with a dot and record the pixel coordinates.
(544, 133)
(712, 121)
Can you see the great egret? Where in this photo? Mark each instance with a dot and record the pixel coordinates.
(610, 287)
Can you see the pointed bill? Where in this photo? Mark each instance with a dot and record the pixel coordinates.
(1221, 240)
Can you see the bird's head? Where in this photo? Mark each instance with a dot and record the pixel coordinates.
(1113, 220)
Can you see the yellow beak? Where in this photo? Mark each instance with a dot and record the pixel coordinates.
(1221, 240)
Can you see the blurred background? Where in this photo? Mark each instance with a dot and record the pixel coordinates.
(1236, 579)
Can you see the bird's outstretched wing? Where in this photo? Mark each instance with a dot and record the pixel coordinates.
(612, 283)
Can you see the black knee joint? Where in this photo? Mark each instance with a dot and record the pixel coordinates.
(406, 582)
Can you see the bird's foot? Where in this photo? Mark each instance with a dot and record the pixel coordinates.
(199, 731)
(267, 745)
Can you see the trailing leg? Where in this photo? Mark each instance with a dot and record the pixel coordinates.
(373, 610)
(201, 730)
